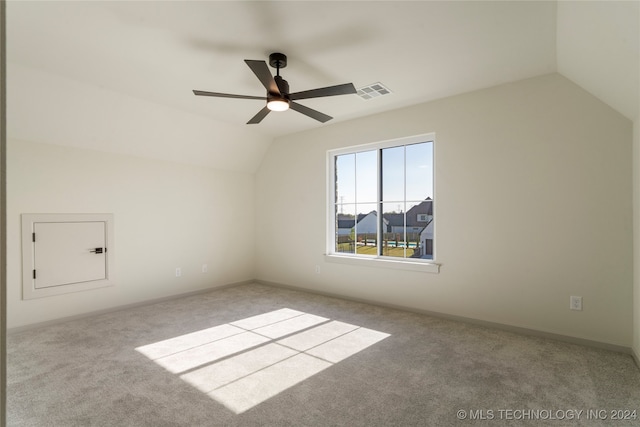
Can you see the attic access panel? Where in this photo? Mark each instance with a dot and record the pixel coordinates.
(66, 253)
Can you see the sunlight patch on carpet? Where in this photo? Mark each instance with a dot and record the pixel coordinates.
(244, 363)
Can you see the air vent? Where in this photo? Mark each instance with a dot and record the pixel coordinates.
(373, 91)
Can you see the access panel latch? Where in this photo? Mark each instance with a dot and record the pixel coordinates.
(97, 250)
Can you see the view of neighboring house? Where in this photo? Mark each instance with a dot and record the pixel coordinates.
(345, 224)
(426, 242)
(420, 220)
(368, 224)
(419, 216)
(419, 226)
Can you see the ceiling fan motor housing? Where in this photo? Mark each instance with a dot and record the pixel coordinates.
(283, 85)
(278, 60)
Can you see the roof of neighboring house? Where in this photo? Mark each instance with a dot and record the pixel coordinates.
(374, 213)
(425, 207)
(394, 219)
(346, 223)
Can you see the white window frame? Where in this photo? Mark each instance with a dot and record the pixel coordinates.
(429, 266)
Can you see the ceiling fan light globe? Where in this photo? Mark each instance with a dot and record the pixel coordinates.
(278, 105)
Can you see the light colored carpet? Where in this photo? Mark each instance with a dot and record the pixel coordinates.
(401, 369)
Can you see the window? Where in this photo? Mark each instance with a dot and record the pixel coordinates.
(382, 200)
(424, 217)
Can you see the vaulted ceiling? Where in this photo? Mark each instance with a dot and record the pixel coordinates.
(118, 76)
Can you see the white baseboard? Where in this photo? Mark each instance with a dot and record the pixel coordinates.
(494, 325)
(18, 329)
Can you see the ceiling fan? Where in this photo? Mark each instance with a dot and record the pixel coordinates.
(278, 97)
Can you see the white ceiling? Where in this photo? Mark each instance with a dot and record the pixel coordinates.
(153, 53)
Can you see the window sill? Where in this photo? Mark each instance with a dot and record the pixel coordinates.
(424, 267)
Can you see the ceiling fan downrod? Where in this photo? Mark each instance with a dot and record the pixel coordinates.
(278, 60)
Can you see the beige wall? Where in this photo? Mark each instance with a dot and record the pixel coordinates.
(533, 205)
(167, 215)
(533, 185)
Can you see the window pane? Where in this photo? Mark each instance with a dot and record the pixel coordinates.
(345, 223)
(346, 179)
(426, 242)
(393, 242)
(419, 171)
(393, 174)
(419, 229)
(413, 227)
(366, 230)
(366, 177)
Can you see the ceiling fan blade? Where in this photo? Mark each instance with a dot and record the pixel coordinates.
(226, 95)
(321, 117)
(344, 89)
(258, 117)
(261, 70)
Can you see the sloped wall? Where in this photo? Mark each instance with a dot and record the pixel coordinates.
(533, 205)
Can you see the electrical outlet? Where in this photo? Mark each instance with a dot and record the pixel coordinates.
(178, 272)
(575, 303)
(205, 268)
